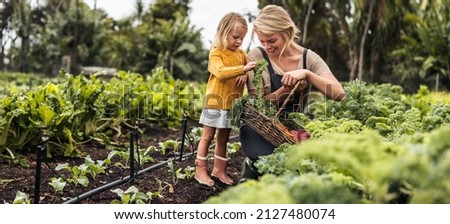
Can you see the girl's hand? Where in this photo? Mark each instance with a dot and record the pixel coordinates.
(290, 78)
(241, 80)
(249, 66)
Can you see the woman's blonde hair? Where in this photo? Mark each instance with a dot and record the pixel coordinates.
(229, 23)
(274, 19)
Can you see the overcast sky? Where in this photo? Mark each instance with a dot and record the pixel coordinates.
(205, 14)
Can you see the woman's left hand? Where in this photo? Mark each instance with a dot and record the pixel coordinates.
(241, 80)
(290, 78)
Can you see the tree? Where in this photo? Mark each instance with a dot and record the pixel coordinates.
(71, 30)
(425, 52)
(305, 25)
(22, 25)
(363, 39)
(6, 12)
(178, 44)
(174, 38)
(341, 11)
(387, 21)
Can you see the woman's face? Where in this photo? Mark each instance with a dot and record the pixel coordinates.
(235, 38)
(273, 44)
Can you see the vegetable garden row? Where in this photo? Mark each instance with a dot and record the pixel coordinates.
(378, 146)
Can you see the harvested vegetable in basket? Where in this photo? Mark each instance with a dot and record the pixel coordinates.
(257, 101)
(264, 117)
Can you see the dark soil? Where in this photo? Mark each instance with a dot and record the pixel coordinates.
(14, 178)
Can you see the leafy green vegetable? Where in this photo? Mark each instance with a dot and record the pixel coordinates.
(261, 65)
(257, 101)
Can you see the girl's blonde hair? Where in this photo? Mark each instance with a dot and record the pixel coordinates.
(274, 19)
(229, 23)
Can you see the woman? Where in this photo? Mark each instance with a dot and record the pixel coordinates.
(289, 63)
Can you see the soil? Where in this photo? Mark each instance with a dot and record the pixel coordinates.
(14, 178)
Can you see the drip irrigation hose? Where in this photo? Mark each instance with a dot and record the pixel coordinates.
(37, 177)
(184, 124)
(126, 179)
(62, 177)
(134, 147)
(115, 183)
(40, 152)
(131, 153)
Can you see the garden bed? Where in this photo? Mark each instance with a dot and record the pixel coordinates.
(14, 178)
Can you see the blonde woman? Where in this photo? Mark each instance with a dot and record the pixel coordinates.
(289, 63)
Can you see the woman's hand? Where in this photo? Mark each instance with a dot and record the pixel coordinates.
(241, 80)
(290, 78)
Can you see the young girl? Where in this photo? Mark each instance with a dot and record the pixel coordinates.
(228, 67)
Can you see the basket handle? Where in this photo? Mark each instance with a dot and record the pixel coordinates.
(283, 106)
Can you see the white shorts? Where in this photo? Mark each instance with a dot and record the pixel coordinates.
(216, 118)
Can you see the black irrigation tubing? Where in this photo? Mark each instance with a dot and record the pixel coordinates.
(115, 183)
(124, 180)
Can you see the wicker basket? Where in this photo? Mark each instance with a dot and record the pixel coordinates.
(270, 128)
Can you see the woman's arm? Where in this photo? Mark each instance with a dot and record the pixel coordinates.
(326, 83)
(278, 96)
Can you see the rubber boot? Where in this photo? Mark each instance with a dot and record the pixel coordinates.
(220, 170)
(201, 172)
(249, 171)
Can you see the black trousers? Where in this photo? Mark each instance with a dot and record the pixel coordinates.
(253, 144)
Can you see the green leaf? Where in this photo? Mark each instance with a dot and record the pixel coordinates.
(62, 166)
(58, 184)
(22, 198)
(47, 114)
(83, 180)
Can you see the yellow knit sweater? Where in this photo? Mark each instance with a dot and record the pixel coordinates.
(224, 66)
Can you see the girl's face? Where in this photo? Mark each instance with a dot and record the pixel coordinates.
(273, 44)
(235, 38)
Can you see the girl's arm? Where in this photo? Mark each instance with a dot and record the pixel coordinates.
(222, 72)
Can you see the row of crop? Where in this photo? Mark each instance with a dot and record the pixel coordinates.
(69, 179)
(83, 108)
(378, 146)
(382, 107)
(24, 81)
